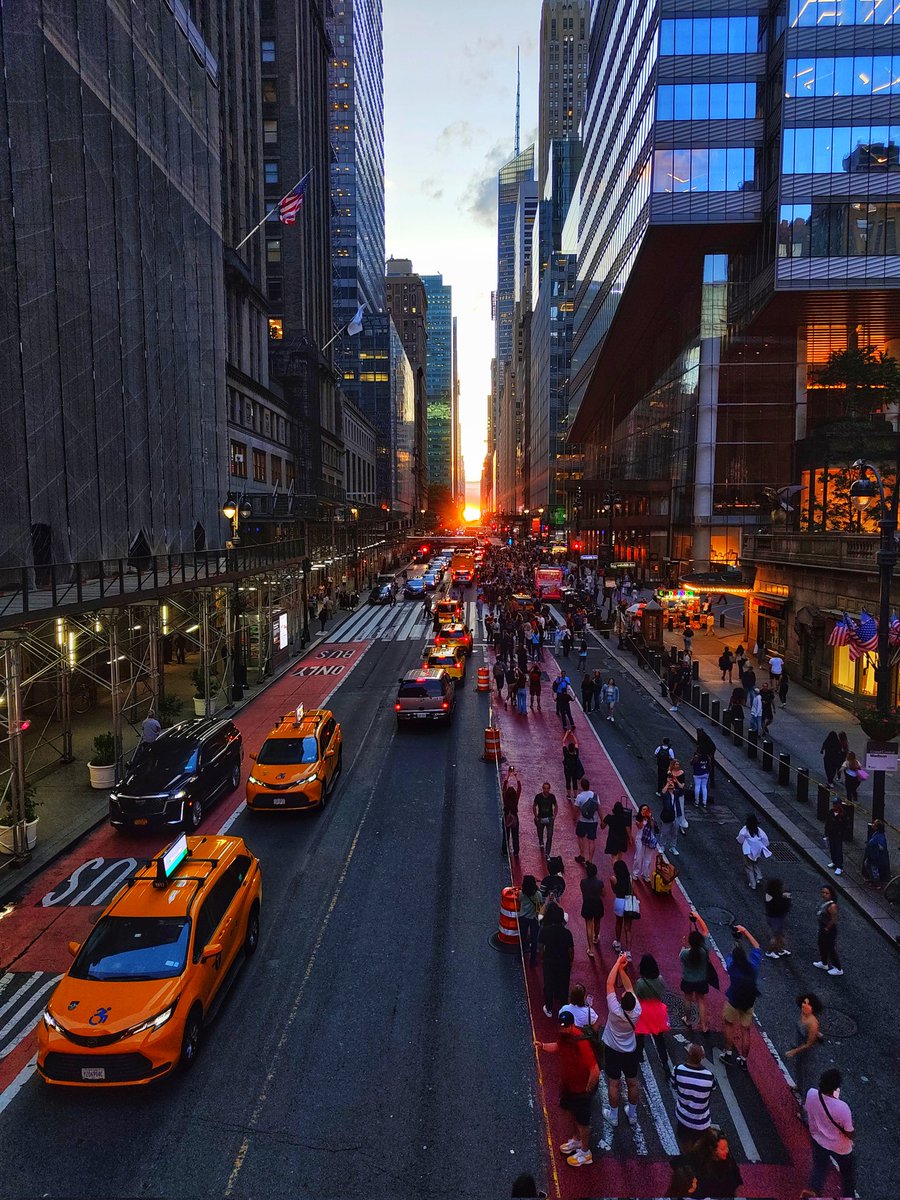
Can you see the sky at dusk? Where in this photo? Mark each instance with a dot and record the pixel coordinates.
(450, 106)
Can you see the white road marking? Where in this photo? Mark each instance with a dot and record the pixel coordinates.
(36, 996)
(657, 1107)
(9, 1094)
(731, 1102)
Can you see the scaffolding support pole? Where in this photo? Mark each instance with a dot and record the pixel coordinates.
(153, 658)
(65, 689)
(115, 692)
(205, 647)
(12, 668)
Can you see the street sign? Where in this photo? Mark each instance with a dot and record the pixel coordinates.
(882, 756)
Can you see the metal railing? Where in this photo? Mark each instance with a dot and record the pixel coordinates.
(854, 552)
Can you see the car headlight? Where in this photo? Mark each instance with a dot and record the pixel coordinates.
(51, 1022)
(179, 795)
(309, 779)
(256, 782)
(153, 1023)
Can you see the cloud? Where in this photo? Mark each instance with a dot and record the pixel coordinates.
(431, 189)
(459, 133)
(479, 199)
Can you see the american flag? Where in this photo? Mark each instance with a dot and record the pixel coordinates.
(894, 631)
(840, 635)
(290, 205)
(867, 632)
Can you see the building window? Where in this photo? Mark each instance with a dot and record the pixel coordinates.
(259, 466)
(710, 35)
(268, 50)
(288, 472)
(705, 101)
(271, 172)
(239, 460)
(269, 91)
(841, 150)
(276, 329)
(273, 250)
(276, 469)
(270, 132)
(841, 12)
(714, 170)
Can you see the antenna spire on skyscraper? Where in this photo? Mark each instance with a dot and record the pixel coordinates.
(518, 98)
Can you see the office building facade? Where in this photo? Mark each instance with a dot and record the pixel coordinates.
(408, 306)
(439, 379)
(565, 25)
(112, 344)
(739, 231)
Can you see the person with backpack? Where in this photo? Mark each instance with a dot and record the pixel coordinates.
(557, 948)
(664, 756)
(588, 805)
(700, 770)
(618, 827)
(530, 904)
(579, 1080)
(646, 841)
(588, 693)
(572, 768)
(695, 973)
(742, 966)
(564, 697)
(668, 828)
(726, 664)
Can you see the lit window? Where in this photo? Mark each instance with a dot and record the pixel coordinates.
(270, 132)
(239, 460)
(276, 329)
(269, 91)
(268, 50)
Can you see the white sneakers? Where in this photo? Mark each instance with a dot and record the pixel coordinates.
(835, 971)
(820, 965)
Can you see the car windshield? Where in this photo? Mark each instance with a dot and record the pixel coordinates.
(284, 752)
(134, 948)
(441, 660)
(419, 691)
(165, 755)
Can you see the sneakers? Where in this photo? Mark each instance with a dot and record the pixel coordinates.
(772, 954)
(830, 866)
(835, 971)
(547, 1012)
(742, 1063)
(729, 1058)
(570, 1146)
(631, 1114)
(838, 871)
(784, 954)
(628, 956)
(617, 947)
(674, 708)
(820, 965)
(581, 1158)
(611, 1115)
(673, 850)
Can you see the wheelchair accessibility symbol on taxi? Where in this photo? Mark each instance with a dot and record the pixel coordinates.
(99, 1017)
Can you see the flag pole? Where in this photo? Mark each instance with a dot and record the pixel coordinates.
(273, 210)
(342, 329)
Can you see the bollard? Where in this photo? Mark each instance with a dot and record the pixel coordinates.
(715, 712)
(768, 754)
(507, 936)
(803, 784)
(849, 811)
(663, 688)
(695, 669)
(695, 695)
(704, 703)
(671, 625)
(721, 620)
(784, 768)
(727, 717)
(737, 730)
(752, 743)
(823, 802)
(673, 655)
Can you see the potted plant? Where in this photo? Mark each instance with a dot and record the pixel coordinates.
(170, 710)
(881, 727)
(31, 821)
(102, 767)
(204, 706)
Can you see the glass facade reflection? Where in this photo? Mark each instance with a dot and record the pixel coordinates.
(439, 379)
(823, 14)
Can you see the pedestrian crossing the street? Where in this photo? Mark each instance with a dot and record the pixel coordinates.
(23, 998)
(402, 623)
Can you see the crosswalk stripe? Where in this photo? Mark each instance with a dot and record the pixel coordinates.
(30, 1012)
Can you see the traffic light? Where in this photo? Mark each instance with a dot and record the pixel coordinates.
(576, 546)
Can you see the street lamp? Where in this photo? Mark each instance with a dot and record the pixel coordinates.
(235, 510)
(864, 492)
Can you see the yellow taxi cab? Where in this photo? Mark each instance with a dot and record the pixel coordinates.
(448, 612)
(449, 658)
(298, 763)
(456, 634)
(132, 1006)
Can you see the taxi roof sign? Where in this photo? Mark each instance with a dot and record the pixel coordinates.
(170, 860)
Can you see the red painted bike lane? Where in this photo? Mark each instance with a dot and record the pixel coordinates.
(533, 745)
(62, 902)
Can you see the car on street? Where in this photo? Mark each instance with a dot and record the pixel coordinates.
(298, 764)
(171, 782)
(381, 593)
(449, 658)
(456, 634)
(132, 1006)
(414, 589)
(426, 695)
(448, 612)
(430, 580)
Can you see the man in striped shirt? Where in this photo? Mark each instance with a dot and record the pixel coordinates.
(693, 1084)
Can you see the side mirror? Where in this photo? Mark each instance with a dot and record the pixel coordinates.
(253, 756)
(213, 950)
(74, 947)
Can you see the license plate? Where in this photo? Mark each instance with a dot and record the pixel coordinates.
(93, 1074)
(141, 821)
(277, 800)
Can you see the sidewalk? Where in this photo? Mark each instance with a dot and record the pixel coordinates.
(798, 730)
(70, 808)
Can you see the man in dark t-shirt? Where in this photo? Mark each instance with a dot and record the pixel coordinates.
(545, 810)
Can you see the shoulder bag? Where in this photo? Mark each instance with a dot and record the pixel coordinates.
(848, 1133)
(632, 907)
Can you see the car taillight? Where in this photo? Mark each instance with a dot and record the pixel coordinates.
(445, 704)
(396, 708)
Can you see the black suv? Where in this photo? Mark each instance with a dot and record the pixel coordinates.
(170, 783)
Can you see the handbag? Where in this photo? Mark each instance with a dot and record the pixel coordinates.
(712, 975)
(862, 774)
(595, 1037)
(632, 908)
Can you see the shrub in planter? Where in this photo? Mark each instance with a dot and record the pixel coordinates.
(881, 727)
(170, 710)
(198, 679)
(102, 767)
(31, 819)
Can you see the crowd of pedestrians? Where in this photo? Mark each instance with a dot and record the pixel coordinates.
(594, 1049)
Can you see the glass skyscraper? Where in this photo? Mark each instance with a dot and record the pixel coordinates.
(737, 222)
(439, 380)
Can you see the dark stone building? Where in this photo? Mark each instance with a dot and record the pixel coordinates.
(112, 329)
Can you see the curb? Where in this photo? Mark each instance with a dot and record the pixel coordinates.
(886, 925)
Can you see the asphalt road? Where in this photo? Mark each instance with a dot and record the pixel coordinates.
(861, 1037)
(376, 1046)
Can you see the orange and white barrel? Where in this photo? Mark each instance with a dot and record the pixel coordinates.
(491, 744)
(508, 929)
(484, 680)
